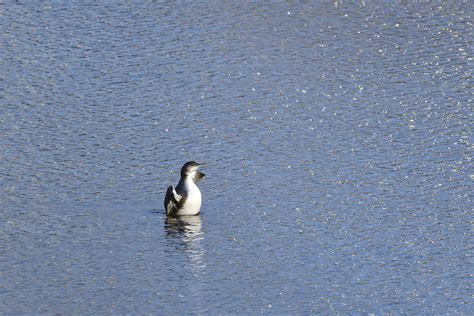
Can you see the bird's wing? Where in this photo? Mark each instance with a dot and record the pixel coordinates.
(181, 201)
(172, 200)
(176, 196)
(198, 176)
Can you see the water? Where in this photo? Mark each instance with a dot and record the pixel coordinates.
(338, 140)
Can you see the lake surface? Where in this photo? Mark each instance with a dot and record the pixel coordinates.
(338, 138)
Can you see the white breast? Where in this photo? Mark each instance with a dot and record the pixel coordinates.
(192, 205)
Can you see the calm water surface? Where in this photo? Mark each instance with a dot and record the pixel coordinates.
(338, 138)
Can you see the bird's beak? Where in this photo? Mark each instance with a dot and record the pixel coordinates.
(201, 164)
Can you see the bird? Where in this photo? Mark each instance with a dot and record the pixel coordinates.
(186, 198)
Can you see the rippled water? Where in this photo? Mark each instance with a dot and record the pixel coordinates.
(338, 139)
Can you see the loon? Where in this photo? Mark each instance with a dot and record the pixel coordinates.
(185, 199)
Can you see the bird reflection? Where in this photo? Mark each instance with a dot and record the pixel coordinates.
(189, 227)
(188, 231)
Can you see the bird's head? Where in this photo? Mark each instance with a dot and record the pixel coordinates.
(190, 169)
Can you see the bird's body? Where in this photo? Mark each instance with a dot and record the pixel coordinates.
(186, 198)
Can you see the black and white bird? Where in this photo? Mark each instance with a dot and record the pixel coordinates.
(186, 198)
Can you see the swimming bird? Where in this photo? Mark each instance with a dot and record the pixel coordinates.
(185, 199)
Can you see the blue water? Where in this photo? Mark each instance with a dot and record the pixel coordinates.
(338, 142)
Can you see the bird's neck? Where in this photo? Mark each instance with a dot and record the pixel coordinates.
(187, 182)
